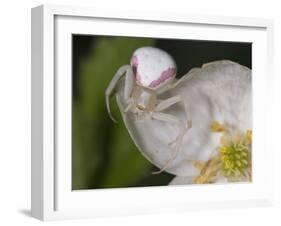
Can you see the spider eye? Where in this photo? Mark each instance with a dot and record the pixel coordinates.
(134, 69)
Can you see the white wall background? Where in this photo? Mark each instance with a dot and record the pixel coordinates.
(15, 112)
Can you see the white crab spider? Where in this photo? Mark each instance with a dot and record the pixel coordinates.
(151, 72)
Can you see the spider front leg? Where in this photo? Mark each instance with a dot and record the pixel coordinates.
(172, 119)
(188, 122)
(171, 101)
(128, 87)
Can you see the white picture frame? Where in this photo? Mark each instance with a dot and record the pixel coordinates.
(52, 197)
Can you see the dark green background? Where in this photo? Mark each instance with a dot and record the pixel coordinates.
(103, 155)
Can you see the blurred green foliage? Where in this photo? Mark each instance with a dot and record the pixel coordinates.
(103, 155)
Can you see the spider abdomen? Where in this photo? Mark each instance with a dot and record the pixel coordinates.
(153, 68)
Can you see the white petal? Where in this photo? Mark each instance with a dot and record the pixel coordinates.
(218, 91)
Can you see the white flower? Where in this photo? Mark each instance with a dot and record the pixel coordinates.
(219, 91)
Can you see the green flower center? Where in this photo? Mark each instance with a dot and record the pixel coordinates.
(235, 159)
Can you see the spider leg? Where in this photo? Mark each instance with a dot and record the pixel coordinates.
(175, 154)
(164, 104)
(130, 105)
(188, 124)
(129, 84)
(171, 101)
(187, 114)
(164, 117)
(170, 119)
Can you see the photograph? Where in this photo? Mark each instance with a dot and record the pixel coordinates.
(160, 112)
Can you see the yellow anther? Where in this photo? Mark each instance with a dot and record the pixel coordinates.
(198, 165)
(248, 136)
(217, 127)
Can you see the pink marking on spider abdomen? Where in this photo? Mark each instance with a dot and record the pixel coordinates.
(169, 73)
(134, 64)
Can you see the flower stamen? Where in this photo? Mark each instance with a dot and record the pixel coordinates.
(235, 155)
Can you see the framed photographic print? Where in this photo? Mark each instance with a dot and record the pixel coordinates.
(137, 112)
